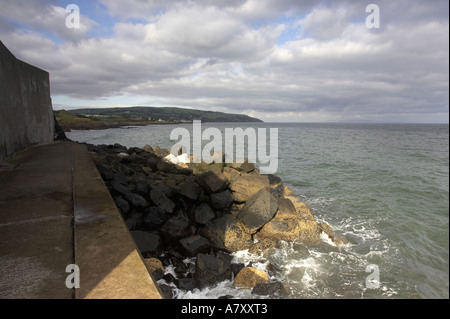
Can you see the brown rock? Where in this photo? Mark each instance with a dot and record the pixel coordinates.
(284, 226)
(243, 187)
(226, 233)
(327, 229)
(212, 182)
(249, 277)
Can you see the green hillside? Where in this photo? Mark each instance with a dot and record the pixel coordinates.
(160, 114)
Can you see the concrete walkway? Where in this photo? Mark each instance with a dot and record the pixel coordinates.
(56, 211)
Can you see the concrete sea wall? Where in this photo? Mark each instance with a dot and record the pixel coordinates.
(26, 114)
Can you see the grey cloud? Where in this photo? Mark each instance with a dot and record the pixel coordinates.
(209, 56)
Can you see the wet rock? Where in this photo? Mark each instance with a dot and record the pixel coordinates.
(309, 232)
(269, 289)
(155, 268)
(166, 291)
(236, 268)
(187, 284)
(210, 269)
(249, 277)
(336, 239)
(203, 214)
(258, 210)
(222, 200)
(193, 245)
(149, 244)
(212, 182)
(246, 186)
(226, 234)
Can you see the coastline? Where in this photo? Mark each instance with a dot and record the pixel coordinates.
(100, 125)
(188, 219)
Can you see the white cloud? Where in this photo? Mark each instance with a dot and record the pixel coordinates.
(223, 55)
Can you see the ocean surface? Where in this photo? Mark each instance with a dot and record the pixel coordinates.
(384, 187)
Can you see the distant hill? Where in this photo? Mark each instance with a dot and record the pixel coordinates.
(162, 114)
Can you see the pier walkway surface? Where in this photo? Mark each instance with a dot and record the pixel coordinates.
(55, 211)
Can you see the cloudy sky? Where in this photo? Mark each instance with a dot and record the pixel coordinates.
(278, 60)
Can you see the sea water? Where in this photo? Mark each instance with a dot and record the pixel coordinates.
(384, 187)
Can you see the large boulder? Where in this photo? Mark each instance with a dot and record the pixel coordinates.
(249, 277)
(227, 234)
(212, 182)
(258, 210)
(244, 187)
(284, 225)
(310, 231)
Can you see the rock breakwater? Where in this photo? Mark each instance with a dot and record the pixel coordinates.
(179, 211)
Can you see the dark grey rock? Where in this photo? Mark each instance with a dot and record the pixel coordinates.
(161, 200)
(120, 188)
(174, 229)
(222, 200)
(193, 245)
(157, 274)
(268, 288)
(105, 173)
(273, 179)
(189, 189)
(121, 179)
(155, 217)
(122, 204)
(187, 284)
(147, 243)
(258, 210)
(212, 182)
(210, 269)
(136, 200)
(166, 291)
(203, 214)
